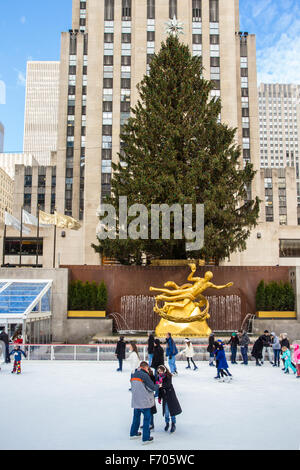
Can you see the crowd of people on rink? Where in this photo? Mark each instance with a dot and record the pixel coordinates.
(152, 379)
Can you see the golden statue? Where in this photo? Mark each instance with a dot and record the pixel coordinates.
(181, 313)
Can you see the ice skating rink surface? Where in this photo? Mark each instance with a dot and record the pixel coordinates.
(86, 405)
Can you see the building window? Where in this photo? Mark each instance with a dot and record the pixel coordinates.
(172, 8)
(126, 10)
(29, 246)
(150, 9)
(109, 10)
(214, 11)
(289, 248)
(196, 10)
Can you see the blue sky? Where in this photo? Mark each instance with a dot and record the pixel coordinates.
(30, 30)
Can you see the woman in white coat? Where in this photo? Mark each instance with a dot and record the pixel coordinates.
(133, 358)
(189, 353)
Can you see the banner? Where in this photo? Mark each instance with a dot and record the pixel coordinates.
(30, 219)
(11, 221)
(47, 219)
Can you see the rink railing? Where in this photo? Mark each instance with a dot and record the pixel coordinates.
(99, 352)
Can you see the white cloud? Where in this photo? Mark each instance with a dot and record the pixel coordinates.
(21, 81)
(23, 19)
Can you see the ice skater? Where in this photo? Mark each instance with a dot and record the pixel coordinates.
(286, 356)
(189, 354)
(17, 353)
(211, 349)
(133, 358)
(276, 349)
(120, 353)
(296, 357)
(171, 352)
(167, 395)
(257, 350)
(234, 342)
(221, 362)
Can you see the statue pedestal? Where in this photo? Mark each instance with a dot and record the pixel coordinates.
(196, 328)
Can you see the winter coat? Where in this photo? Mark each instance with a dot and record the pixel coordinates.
(171, 348)
(134, 361)
(286, 356)
(120, 349)
(285, 342)
(153, 409)
(4, 337)
(257, 348)
(150, 344)
(266, 341)
(168, 396)
(211, 344)
(221, 359)
(296, 355)
(276, 342)
(244, 340)
(17, 354)
(188, 351)
(158, 357)
(142, 388)
(234, 341)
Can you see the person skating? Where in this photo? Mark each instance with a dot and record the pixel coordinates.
(276, 349)
(296, 357)
(244, 344)
(221, 362)
(257, 350)
(5, 338)
(133, 358)
(284, 341)
(234, 342)
(17, 353)
(171, 352)
(267, 347)
(189, 353)
(150, 348)
(142, 389)
(167, 395)
(211, 349)
(120, 352)
(286, 355)
(158, 356)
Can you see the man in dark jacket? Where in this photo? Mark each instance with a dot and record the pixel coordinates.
(234, 342)
(158, 355)
(257, 350)
(211, 348)
(267, 347)
(150, 348)
(244, 343)
(171, 352)
(4, 337)
(142, 388)
(120, 352)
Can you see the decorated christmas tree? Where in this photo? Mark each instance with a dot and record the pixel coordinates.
(175, 150)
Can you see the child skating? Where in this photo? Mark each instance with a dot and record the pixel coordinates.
(296, 357)
(189, 353)
(17, 353)
(167, 395)
(286, 356)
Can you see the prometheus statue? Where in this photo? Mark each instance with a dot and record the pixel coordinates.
(185, 309)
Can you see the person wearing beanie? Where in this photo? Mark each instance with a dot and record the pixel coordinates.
(276, 349)
(267, 347)
(171, 352)
(189, 353)
(234, 342)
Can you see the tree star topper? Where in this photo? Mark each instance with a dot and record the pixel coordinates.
(174, 27)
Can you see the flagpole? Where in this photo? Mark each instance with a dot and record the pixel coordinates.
(4, 238)
(37, 235)
(21, 237)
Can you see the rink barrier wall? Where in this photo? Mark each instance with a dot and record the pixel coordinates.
(103, 352)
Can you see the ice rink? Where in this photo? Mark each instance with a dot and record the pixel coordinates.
(85, 405)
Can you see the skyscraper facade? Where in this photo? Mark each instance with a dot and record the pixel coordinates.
(1, 137)
(41, 110)
(279, 125)
(103, 58)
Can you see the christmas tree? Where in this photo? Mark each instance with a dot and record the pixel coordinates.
(175, 150)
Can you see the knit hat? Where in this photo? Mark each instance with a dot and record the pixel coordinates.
(187, 340)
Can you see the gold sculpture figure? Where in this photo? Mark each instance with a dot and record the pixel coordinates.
(181, 313)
